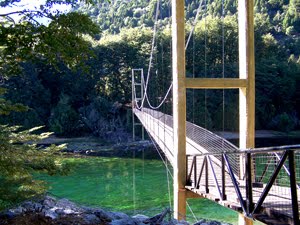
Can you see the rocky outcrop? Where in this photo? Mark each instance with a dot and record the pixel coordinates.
(52, 211)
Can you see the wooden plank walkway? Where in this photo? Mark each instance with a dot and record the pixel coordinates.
(277, 203)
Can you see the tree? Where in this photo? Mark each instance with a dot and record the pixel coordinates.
(64, 120)
(292, 17)
(20, 157)
(62, 41)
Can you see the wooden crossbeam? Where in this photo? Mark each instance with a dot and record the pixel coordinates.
(215, 83)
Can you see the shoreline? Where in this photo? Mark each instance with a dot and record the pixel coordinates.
(102, 142)
(93, 146)
(50, 210)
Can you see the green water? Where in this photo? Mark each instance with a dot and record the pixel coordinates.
(129, 185)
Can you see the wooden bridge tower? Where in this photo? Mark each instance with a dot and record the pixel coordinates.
(245, 83)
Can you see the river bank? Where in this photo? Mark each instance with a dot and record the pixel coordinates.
(51, 211)
(97, 142)
(91, 146)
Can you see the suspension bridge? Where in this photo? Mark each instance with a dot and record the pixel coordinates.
(260, 183)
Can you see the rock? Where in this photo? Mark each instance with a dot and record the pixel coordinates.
(119, 215)
(123, 222)
(65, 204)
(69, 211)
(155, 219)
(64, 211)
(210, 222)
(51, 214)
(87, 210)
(91, 219)
(28, 206)
(140, 217)
(19, 210)
(58, 211)
(103, 215)
(49, 202)
(37, 207)
(182, 222)
(7, 215)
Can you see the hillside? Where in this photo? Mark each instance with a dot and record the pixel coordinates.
(277, 40)
(282, 16)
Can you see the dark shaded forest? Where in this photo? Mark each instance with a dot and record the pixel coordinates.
(93, 95)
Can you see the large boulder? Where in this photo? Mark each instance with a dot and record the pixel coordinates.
(63, 211)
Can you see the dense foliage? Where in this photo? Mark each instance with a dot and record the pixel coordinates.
(23, 44)
(282, 15)
(74, 94)
(20, 157)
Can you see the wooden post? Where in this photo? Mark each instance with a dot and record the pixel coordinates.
(179, 108)
(247, 71)
(244, 220)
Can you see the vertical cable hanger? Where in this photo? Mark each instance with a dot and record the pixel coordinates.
(223, 70)
(205, 64)
(193, 91)
(194, 24)
(133, 183)
(171, 46)
(166, 164)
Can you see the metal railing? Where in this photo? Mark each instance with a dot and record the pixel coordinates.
(208, 140)
(270, 185)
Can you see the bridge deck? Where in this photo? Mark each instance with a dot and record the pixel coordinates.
(277, 203)
(199, 142)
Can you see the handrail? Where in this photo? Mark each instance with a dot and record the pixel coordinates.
(253, 150)
(271, 177)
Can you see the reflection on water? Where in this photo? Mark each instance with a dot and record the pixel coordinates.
(112, 182)
(133, 186)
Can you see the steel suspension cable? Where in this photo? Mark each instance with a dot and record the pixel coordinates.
(164, 84)
(194, 24)
(151, 56)
(133, 184)
(165, 162)
(193, 214)
(223, 65)
(205, 65)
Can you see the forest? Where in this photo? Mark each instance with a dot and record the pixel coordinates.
(73, 75)
(90, 93)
